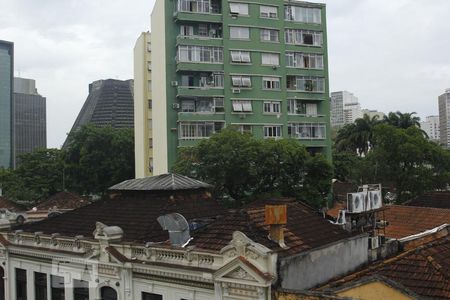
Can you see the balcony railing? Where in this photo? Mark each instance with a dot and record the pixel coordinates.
(199, 6)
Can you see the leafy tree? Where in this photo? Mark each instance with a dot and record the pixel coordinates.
(243, 167)
(406, 159)
(98, 157)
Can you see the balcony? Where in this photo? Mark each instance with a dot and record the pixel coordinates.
(199, 10)
(200, 84)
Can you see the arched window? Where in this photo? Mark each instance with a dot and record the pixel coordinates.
(108, 293)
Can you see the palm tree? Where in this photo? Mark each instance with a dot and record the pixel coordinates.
(357, 137)
(402, 120)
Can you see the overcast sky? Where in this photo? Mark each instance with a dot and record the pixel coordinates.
(393, 54)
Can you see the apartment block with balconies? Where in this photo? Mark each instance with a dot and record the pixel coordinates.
(260, 67)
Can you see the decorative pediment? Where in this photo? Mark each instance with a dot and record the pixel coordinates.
(241, 271)
(241, 245)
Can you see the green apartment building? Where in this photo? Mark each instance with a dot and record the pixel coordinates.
(258, 65)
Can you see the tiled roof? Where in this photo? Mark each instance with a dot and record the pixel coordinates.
(135, 213)
(408, 220)
(5, 203)
(424, 270)
(432, 199)
(63, 200)
(305, 229)
(165, 182)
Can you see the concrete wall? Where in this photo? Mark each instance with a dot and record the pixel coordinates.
(159, 93)
(309, 269)
(374, 291)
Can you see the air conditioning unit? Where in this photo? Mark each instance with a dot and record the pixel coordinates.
(375, 199)
(274, 67)
(176, 105)
(236, 91)
(374, 242)
(355, 202)
(174, 83)
(367, 204)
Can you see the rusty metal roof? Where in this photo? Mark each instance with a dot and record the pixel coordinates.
(165, 182)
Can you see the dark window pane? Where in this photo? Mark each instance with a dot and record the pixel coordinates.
(2, 284)
(108, 293)
(40, 286)
(21, 284)
(57, 285)
(149, 296)
(80, 290)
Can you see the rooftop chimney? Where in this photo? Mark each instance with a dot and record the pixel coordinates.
(276, 218)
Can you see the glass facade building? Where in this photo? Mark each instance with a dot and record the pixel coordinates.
(6, 103)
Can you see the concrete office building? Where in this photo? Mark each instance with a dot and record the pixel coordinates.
(261, 67)
(431, 127)
(110, 103)
(6, 104)
(143, 146)
(373, 113)
(30, 121)
(444, 118)
(345, 108)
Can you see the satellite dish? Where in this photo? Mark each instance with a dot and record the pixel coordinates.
(178, 228)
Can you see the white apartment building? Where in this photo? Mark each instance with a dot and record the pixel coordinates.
(373, 113)
(444, 116)
(431, 127)
(345, 108)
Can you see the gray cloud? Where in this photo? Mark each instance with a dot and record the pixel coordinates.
(392, 54)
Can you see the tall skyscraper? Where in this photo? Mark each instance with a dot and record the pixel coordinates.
(110, 103)
(345, 108)
(30, 121)
(143, 146)
(444, 118)
(259, 67)
(6, 104)
(431, 127)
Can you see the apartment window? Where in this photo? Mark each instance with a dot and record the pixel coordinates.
(240, 56)
(269, 35)
(242, 106)
(303, 14)
(304, 37)
(195, 6)
(186, 30)
(149, 47)
(21, 284)
(150, 104)
(203, 30)
(188, 106)
(308, 131)
(200, 54)
(149, 85)
(40, 286)
(272, 131)
(272, 107)
(150, 143)
(270, 12)
(149, 66)
(218, 79)
(241, 33)
(202, 105)
(218, 105)
(199, 130)
(299, 107)
(306, 84)
(80, 290)
(304, 60)
(239, 8)
(271, 83)
(57, 286)
(245, 129)
(241, 81)
(150, 296)
(270, 59)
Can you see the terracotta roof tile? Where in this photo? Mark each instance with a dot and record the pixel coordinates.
(424, 270)
(431, 199)
(5, 203)
(63, 200)
(409, 220)
(305, 229)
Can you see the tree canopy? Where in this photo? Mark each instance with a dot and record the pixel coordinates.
(242, 167)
